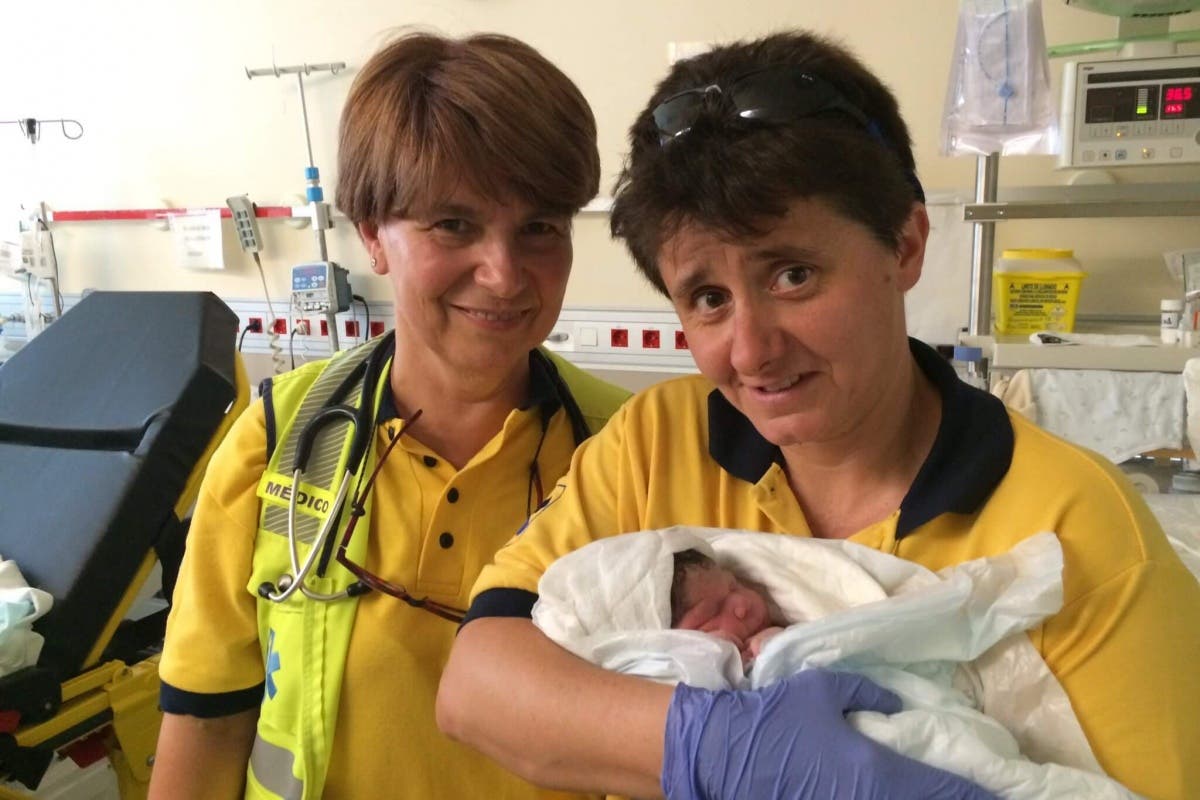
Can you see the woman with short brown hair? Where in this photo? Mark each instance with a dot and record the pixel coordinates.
(461, 164)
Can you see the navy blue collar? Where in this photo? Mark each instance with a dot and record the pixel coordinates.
(971, 453)
(541, 393)
(387, 401)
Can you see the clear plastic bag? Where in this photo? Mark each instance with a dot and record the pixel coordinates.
(998, 99)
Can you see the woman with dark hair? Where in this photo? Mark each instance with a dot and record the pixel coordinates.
(461, 163)
(771, 194)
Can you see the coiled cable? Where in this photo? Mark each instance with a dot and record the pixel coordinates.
(279, 364)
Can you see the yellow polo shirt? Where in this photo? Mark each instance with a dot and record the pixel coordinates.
(432, 529)
(1125, 646)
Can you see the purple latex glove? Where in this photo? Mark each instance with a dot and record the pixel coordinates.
(791, 740)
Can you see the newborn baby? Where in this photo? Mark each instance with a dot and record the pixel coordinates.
(707, 597)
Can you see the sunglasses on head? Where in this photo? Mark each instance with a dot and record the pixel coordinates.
(772, 94)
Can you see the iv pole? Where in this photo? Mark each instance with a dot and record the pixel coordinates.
(37, 239)
(317, 207)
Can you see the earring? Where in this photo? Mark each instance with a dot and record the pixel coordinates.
(373, 262)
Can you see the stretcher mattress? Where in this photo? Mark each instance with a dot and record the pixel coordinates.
(102, 419)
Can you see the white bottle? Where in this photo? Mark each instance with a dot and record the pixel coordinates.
(1171, 312)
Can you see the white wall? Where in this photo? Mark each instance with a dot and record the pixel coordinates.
(171, 118)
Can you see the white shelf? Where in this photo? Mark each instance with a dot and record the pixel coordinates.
(1019, 353)
(1090, 202)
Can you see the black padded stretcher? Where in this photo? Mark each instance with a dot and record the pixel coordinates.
(106, 421)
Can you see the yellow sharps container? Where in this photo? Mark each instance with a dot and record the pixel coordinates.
(1036, 290)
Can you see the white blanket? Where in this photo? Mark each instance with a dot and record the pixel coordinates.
(1117, 414)
(1191, 391)
(951, 644)
(20, 605)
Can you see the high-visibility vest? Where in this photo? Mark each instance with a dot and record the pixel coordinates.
(299, 710)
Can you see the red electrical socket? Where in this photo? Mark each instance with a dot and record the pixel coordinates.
(279, 326)
(680, 341)
(324, 327)
(352, 327)
(619, 337)
(254, 325)
(377, 329)
(650, 340)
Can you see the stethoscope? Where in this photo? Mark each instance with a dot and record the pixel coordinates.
(334, 410)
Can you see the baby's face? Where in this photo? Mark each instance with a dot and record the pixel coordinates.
(718, 603)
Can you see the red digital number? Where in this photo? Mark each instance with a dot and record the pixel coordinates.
(1173, 108)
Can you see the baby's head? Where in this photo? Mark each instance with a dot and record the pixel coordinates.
(707, 597)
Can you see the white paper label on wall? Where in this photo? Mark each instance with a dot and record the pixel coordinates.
(197, 240)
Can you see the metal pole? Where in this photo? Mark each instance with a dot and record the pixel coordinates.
(304, 118)
(983, 247)
(318, 209)
(318, 226)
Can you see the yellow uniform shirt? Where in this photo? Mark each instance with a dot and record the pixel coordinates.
(1126, 645)
(432, 529)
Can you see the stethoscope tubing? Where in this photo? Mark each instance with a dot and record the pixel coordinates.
(332, 409)
(300, 572)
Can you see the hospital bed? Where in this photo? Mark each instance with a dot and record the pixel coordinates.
(107, 421)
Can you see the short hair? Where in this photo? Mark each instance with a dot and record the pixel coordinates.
(733, 175)
(686, 562)
(428, 113)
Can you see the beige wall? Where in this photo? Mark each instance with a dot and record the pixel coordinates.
(171, 118)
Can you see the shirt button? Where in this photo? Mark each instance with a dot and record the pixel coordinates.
(430, 461)
(452, 495)
(446, 540)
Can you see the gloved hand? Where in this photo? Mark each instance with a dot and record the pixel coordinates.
(791, 740)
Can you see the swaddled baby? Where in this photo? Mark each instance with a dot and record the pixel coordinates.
(709, 598)
(644, 604)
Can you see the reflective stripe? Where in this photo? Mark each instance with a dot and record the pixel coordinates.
(327, 447)
(315, 399)
(275, 521)
(272, 768)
